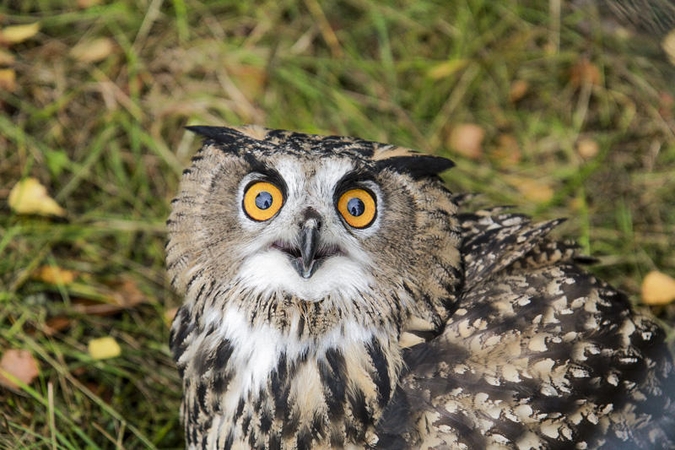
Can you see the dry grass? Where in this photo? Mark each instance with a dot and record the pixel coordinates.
(106, 137)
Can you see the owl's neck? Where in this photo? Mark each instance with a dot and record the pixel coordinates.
(261, 385)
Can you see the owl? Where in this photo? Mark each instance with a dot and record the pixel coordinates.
(337, 295)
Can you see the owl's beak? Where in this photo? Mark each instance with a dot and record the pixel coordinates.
(307, 252)
(307, 264)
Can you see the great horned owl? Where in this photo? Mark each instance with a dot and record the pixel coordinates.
(336, 298)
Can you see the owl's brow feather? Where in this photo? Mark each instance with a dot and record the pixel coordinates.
(267, 172)
(417, 166)
(354, 177)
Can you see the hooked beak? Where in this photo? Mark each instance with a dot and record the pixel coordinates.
(307, 264)
(308, 253)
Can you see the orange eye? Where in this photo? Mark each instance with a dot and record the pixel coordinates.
(262, 200)
(357, 207)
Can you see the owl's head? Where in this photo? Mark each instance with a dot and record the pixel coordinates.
(328, 221)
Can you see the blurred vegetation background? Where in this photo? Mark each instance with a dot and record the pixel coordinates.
(563, 109)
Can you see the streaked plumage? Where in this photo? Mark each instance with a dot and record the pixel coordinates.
(335, 297)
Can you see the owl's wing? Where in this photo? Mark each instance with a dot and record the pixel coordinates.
(539, 354)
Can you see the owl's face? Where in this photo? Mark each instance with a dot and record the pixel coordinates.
(306, 218)
(306, 227)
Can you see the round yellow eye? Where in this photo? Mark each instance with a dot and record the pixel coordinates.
(357, 207)
(262, 200)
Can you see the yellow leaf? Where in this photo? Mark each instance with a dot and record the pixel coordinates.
(668, 45)
(28, 196)
(447, 68)
(104, 348)
(533, 190)
(93, 51)
(55, 275)
(6, 58)
(658, 289)
(8, 80)
(17, 365)
(18, 33)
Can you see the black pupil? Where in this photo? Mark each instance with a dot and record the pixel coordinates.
(263, 200)
(355, 206)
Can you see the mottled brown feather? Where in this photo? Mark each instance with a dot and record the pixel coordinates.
(474, 329)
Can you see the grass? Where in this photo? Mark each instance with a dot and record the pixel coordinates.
(106, 138)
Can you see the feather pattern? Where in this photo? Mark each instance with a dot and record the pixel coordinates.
(539, 353)
(427, 327)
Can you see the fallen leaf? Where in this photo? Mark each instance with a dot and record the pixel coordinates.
(507, 153)
(666, 102)
(587, 148)
(55, 275)
(127, 294)
(585, 72)
(668, 45)
(28, 196)
(8, 80)
(96, 299)
(6, 58)
(447, 68)
(467, 140)
(518, 90)
(16, 34)
(534, 190)
(658, 289)
(20, 365)
(104, 348)
(93, 51)
(84, 4)
(55, 324)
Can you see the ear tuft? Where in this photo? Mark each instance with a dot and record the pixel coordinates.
(417, 166)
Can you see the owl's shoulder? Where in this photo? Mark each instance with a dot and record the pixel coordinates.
(538, 351)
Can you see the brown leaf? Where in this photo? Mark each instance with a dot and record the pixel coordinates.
(518, 90)
(534, 190)
(18, 364)
(507, 153)
(98, 300)
(658, 289)
(467, 140)
(250, 80)
(585, 72)
(55, 324)
(127, 294)
(84, 4)
(666, 103)
(587, 148)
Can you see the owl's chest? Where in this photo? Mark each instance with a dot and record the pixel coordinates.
(261, 387)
